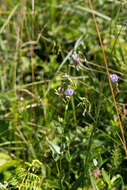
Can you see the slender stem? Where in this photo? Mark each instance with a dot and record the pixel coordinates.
(74, 112)
(65, 113)
(32, 48)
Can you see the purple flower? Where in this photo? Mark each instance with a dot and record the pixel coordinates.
(65, 76)
(113, 78)
(75, 58)
(69, 92)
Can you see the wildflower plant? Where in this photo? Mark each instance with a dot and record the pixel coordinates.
(114, 79)
(64, 88)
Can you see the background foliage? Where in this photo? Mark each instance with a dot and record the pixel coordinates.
(47, 140)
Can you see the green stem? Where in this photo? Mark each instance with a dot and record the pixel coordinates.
(74, 112)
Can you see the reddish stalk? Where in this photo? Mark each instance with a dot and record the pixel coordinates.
(108, 75)
(32, 47)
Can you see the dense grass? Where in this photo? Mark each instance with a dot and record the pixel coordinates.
(48, 140)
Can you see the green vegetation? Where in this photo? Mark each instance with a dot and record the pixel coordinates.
(50, 141)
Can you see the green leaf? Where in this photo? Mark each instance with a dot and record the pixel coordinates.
(93, 182)
(4, 158)
(67, 155)
(106, 177)
(53, 146)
